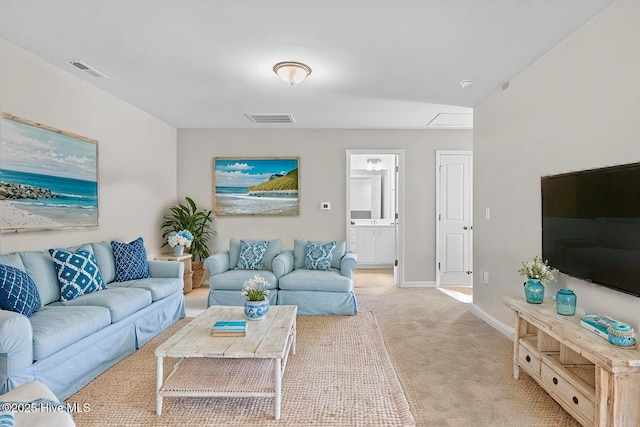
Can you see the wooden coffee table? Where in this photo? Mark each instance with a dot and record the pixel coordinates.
(270, 338)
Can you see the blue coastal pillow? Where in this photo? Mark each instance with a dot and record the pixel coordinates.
(77, 272)
(319, 255)
(18, 293)
(251, 255)
(131, 260)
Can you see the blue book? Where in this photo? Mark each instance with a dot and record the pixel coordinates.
(230, 325)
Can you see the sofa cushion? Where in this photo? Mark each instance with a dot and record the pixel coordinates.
(315, 280)
(300, 252)
(120, 301)
(18, 293)
(130, 260)
(251, 256)
(13, 260)
(319, 256)
(273, 249)
(234, 279)
(56, 326)
(104, 258)
(39, 267)
(77, 272)
(159, 287)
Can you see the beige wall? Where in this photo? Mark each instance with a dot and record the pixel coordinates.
(137, 152)
(323, 179)
(576, 108)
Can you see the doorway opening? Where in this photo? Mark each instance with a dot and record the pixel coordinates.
(374, 211)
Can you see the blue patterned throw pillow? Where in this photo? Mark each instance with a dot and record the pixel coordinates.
(319, 255)
(251, 255)
(17, 291)
(77, 272)
(131, 260)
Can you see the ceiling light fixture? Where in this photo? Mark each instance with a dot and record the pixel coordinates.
(466, 83)
(292, 72)
(374, 164)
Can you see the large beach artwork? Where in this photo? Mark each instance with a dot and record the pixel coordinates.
(48, 177)
(256, 186)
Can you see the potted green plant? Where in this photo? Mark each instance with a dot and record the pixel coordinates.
(199, 223)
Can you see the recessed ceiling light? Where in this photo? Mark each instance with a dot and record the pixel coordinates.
(466, 83)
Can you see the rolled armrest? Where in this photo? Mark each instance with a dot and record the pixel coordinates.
(217, 263)
(16, 344)
(348, 264)
(282, 264)
(173, 269)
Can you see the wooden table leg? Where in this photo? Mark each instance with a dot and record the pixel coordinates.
(159, 375)
(278, 377)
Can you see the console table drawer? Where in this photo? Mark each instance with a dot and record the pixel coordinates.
(528, 358)
(573, 400)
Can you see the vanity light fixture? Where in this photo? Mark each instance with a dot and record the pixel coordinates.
(374, 164)
(292, 72)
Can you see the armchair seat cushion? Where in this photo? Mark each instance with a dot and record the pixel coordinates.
(234, 279)
(316, 280)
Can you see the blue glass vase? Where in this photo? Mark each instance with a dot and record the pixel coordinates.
(534, 291)
(566, 302)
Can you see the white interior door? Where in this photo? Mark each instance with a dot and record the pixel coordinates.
(454, 219)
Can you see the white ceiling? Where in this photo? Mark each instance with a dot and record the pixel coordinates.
(377, 64)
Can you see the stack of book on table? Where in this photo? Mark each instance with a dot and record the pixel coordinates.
(229, 328)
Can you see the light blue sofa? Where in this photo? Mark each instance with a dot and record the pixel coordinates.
(315, 292)
(65, 345)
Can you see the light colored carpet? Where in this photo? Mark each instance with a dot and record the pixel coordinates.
(341, 375)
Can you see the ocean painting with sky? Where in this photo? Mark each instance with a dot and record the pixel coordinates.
(256, 186)
(48, 177)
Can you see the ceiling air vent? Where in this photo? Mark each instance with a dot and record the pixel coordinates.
(270, 118)
(87, 69)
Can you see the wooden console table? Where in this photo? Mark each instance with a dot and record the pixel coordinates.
(186, 260)
(594, 381)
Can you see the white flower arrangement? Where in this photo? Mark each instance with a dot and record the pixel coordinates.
(255, 288)
(537, 269)
(182, 238)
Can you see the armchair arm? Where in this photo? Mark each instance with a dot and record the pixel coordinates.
(348, 264)
(16, 344)
(217, 263)
(282, 264)
(173, 269)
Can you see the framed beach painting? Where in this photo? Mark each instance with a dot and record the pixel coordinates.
(48, 177)
(256, 185)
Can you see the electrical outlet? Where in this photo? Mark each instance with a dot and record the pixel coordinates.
(325, 206)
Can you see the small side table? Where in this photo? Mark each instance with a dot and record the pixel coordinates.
(186, 259)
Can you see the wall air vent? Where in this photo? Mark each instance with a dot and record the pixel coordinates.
(271, 118)
(87, 69)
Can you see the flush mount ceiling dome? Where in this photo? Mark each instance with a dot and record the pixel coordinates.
(292, 72)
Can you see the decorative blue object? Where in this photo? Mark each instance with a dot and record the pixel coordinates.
(566, 302)
(178, 250)
(18, 292)
(256, 310)
(252, 255)
(534, 291)
(319, 255)
(621, 334)
(77, 272)
(131, 260)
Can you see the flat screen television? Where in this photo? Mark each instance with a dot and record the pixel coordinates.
(591, 225)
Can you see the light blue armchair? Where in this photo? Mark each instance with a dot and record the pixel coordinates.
(319, 292)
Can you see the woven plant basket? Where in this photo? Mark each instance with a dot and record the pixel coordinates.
(199, 273)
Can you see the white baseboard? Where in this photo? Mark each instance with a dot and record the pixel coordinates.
(506, 330)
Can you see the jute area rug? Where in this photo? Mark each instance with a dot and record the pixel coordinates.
(340, 375)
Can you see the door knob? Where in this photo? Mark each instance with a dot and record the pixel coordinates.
(465, 228)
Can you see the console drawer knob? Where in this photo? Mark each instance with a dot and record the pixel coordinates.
(528, 358)
(555, 380)
(575, 400)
